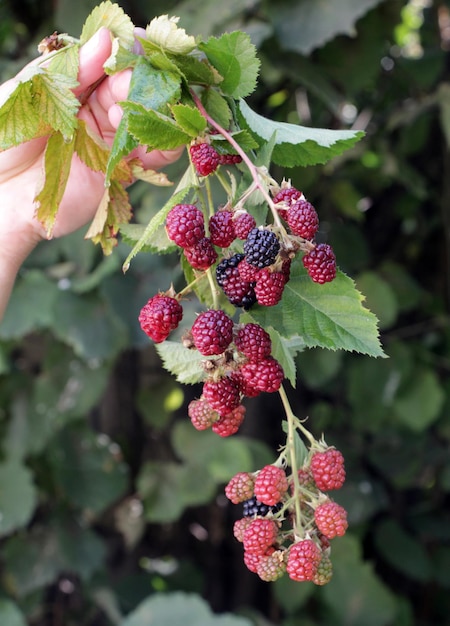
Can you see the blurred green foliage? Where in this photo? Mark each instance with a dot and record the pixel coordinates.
(108, 498)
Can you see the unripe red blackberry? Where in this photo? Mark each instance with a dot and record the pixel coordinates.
(331, 519)
(303, 560)
(240, 487)
(302, 219)
(261, 247)
(328, 469)
(248, 273)
(229, 159)
(201, 414)
(260, 535)
(202, 255)
(320, 263)
(204, 158)
(288, 196)
(221, 228)
(222, 395)
(270, 484)
(185, 225)
(324, 572)
(243, 223)
(230, 423)
(212, 332)
(253, 341)
(272, 566)
(245, 388)
(159, 316)
(269, 287)
(239, 527)
(266, 376)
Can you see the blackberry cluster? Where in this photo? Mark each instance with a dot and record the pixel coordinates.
(245, 367)
(271, 500)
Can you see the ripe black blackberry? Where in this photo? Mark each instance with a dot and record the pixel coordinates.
(261, 247)
(253, 507)
(239, 292)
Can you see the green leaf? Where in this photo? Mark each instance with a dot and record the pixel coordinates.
(18, 496)
(57, 163)
(156, 223)
(295, 144)
(49, 550)
(419, 402)
(153, 129)
(245, 140)
(122, 145)
(55, 102)
(87, 468)
(19, 119)
(329, 316)
(113, 17)
(381, 298)
(159, 484)
(66, 61)
(217, 107)
(85, 324)
(234, 57)
(21, 318)
(220, 458)
(173, 609)
(403, 551)
(320, 21)
(196, 71)
(356, 596)
(10, 614)
(189, 119)
(183, 363)
(153, 89)
(91, 148)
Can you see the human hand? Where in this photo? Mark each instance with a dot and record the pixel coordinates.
(21, 166)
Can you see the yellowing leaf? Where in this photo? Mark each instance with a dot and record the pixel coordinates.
(56, 102)
(19, 120)
(150, 176)
(113, 210)
(113, 17)
(94, 152)
(164, 32)
(57, 162)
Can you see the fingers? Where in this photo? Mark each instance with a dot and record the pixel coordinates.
(93, 55)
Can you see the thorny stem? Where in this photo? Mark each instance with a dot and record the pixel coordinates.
(252, 169)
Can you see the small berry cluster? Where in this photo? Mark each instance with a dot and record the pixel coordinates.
(288, 521)
(245, 367)
(302, 221)
(206, 159)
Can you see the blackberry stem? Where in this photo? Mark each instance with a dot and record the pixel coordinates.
(294, 423)
(213, 288)
(253, 170)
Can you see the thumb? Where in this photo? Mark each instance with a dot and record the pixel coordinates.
(93, 55)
